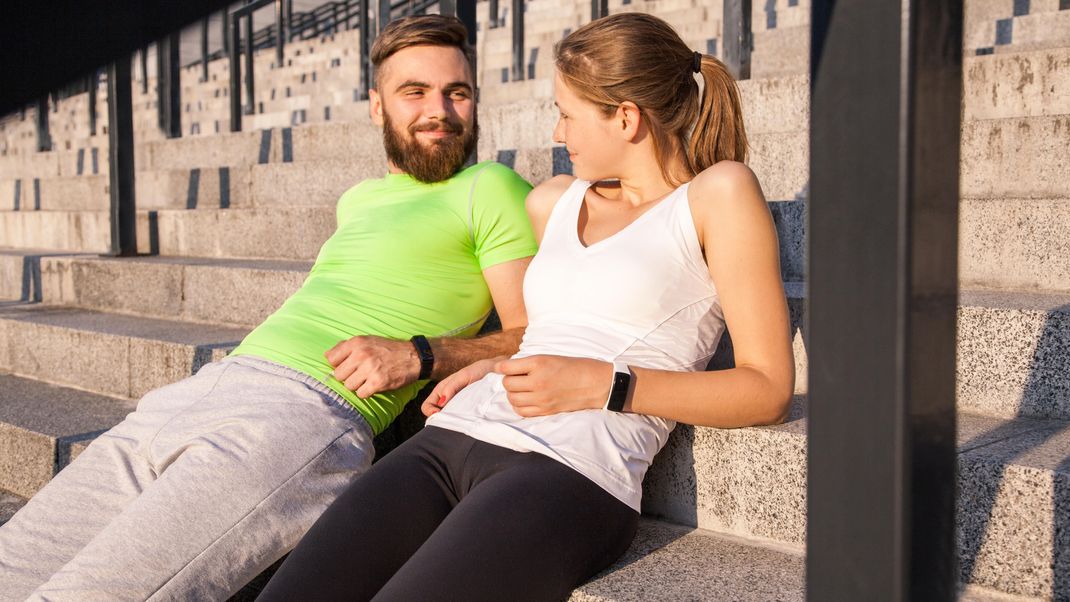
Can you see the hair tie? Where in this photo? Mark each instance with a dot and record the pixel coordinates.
(696, 63)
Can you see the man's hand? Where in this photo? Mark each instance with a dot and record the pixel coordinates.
(449, 386)
(540, 385)
(368, 365)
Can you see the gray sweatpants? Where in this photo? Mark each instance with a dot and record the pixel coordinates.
(206, 484)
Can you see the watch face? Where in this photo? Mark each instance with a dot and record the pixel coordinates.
(619, 393)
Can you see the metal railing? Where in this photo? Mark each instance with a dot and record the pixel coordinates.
(325, 19)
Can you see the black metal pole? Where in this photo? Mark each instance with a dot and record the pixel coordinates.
(144, 56)
(280, 34)
(204, 50)
(518, 40)
(91, 90)
(886, 91)
(169, 87)
(365, 48)
(234, 46)
(121, 160)
(224, 29)
(737, 37)
(289, 20)
(492, 14)
(250, 101)
(466, 12)
(599, 9)
(384, 15)
(44, 137)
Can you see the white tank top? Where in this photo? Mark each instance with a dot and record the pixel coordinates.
(643, 296)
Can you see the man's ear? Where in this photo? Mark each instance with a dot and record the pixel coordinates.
(628, 119)
(375, 107)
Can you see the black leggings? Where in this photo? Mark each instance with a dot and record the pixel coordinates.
(449, 517)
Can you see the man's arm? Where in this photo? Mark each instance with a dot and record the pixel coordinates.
(370, 364)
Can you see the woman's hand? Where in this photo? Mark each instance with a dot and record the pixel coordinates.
(449, 386)
(540, 385)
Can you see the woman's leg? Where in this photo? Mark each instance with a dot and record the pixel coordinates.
(530, 528)
(376, 525)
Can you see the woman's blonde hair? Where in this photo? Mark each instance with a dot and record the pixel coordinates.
(640, 58)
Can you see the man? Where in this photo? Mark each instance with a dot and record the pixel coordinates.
(214, 478)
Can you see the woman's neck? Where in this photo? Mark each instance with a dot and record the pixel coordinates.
(642, 180)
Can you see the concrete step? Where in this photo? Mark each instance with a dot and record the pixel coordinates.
(212, 291)
(1022, 157)
(62, 193)
(77, 231)
(267, 233)
(1015, 243)
(1024, 84)
(40, 425)
(195, 188)
(10, 503)
(669, 562)
(781, 52)
(110, 354)
(1039, 29)
(20, 274)
(314, 183)
(1011, 359)
(1012, 501)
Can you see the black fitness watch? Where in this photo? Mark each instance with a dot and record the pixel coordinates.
(618, 393)
(427, 358)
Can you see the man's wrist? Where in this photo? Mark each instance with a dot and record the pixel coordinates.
(425, 356)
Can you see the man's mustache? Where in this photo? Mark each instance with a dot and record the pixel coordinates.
(451, 127)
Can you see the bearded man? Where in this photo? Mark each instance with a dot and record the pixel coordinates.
(214, 478)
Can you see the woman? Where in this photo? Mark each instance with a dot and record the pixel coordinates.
(527, 480)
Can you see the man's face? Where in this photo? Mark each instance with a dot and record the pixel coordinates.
(425, 102)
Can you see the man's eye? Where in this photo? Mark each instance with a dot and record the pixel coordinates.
(459, 94)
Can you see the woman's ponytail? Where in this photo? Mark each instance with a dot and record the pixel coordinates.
(719, 134)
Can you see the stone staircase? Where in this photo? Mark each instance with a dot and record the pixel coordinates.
(234, 220)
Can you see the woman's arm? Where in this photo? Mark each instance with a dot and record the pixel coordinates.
(740, 246)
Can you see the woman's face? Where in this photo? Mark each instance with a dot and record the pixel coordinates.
(587, 135)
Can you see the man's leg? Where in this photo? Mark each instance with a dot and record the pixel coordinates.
(376, 525)
(242, 475)
(85, 496)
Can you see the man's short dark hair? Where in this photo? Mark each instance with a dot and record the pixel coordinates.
(420, 30)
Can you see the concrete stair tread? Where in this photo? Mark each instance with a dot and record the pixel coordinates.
(1012, 488)
(108, 353)
(169, 331)
(286, 265)
(196, 289)
(9, 505)
(669, 562)
(43, 426)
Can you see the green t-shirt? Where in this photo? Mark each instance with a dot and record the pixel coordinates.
(406, 259)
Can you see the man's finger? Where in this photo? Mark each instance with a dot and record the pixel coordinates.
(345, 368)
(335, 355)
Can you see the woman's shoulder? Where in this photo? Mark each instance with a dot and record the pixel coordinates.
(724, 178)
(541, 200)
(725, 193)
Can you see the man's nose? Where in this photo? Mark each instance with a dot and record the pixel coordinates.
(437, 105)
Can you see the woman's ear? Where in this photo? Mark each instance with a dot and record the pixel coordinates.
(628, 119)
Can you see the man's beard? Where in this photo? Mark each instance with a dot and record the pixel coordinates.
(432, 162)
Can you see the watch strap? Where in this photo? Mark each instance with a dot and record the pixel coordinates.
(618, 391)
(427, 357)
